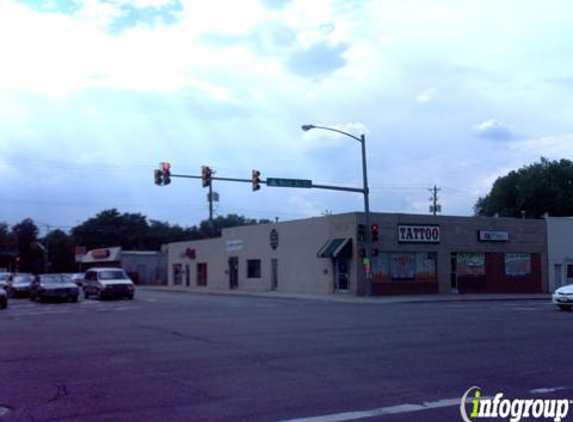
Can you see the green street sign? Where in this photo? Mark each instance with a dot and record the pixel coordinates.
(289, 183)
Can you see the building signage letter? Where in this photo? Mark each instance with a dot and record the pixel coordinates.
(418, 233)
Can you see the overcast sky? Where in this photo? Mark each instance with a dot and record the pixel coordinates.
(454, 93)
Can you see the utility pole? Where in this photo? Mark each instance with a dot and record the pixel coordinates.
(435, 207)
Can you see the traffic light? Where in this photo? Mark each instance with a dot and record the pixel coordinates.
(166, 171)
(361, 232)
(256, 180)
(375, 232)
(206, 176)
(158, 177)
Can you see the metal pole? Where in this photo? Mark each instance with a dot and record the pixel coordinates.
(212, 228)
(367, 216)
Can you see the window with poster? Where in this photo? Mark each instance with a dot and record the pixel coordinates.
(419, 267)
(517, 264)
(470, 264)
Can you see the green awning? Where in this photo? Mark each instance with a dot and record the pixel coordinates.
(332, 248)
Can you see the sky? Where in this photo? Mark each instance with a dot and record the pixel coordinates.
(94, 94)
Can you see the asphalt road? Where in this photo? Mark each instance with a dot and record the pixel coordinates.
(191, 357)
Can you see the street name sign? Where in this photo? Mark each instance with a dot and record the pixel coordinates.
(289, 183)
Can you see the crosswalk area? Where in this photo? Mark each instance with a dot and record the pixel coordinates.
(22, 308)
(524, 306)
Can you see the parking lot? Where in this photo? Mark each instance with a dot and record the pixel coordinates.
(181, 357)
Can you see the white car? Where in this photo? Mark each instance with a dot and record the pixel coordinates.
(563, 297)
(108, 282)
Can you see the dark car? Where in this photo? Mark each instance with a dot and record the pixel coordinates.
(19, 285)
(55, 287)
(3, 299)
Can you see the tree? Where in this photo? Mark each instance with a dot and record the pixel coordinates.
(544, 187)
(61, 251)
(26, 234)
(111, 228)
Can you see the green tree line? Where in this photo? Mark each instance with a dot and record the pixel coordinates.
(21, 246)
(531, 191)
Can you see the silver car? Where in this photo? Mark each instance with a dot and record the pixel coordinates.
(53, 286)
(563, 297)
(19, 285)
(4, 279)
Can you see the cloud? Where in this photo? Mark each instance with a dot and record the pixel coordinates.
(427, 95)
(318, 60)
(492, 129)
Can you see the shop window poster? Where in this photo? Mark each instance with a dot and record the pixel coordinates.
(471, 264)
(517, 264)
(380, 268)
(426, 267)
(403, 266)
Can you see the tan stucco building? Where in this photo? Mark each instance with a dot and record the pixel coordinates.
(412, 254)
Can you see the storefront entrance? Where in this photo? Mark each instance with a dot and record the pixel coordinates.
(233, 272)
(341, 273)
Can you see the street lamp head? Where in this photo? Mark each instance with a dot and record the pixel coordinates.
(307, 127)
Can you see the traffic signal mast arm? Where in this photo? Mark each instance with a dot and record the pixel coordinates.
(264, 182)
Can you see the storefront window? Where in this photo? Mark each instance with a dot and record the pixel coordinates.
(380, 269)
(426, 267)
(177, 270)
(470, 264)
(420, 266)
(254, 268)
(403, 266)
(517, 264)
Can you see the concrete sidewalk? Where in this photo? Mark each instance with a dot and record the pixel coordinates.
(349, 298)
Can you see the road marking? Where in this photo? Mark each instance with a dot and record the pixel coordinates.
(392, 410)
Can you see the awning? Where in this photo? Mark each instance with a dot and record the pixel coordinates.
(332, 248)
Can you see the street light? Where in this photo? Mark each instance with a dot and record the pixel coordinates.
(365, 191)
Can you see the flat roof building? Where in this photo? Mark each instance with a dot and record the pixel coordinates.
(411, 254)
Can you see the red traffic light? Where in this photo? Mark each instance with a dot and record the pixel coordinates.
(165, 166)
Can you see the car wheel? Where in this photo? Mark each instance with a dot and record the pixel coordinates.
(100, 295)
(130, 297)
(74, 298)
(86, 294)
(565, 307)
(4, 304)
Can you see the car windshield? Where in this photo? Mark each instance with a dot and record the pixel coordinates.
(112, 275)
(51, 279)
(21, 279)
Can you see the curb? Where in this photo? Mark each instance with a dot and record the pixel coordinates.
(357, 299)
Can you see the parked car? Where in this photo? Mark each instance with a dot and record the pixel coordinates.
(107, 283)
(19, 285)
(563, 297)
(78, 278)
(53, 286)
(3, 299)
(4, 279)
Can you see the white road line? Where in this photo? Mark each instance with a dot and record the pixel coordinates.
(392, 410)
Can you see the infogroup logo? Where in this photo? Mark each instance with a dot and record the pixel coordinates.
(513, 409)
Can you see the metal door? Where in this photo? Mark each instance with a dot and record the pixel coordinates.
(274, 274)
(233, 272)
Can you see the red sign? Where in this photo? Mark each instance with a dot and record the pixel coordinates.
(190, 253)
(101, 253)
